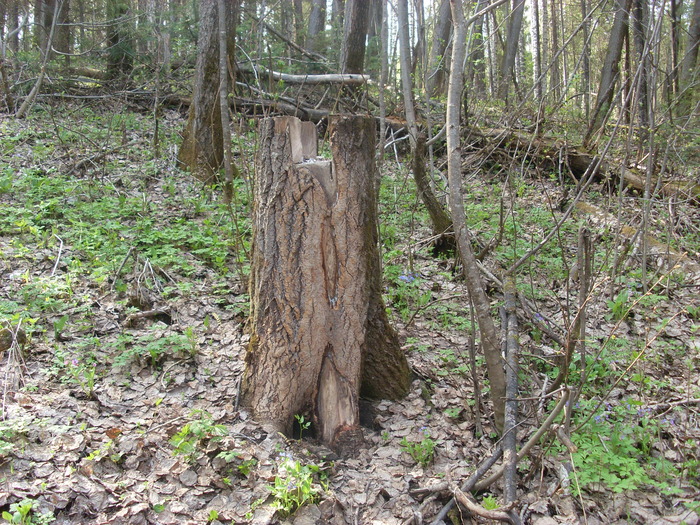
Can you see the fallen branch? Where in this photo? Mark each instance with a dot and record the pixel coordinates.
(476, 509)
(469, 484)
(530, 443)
(314, 80)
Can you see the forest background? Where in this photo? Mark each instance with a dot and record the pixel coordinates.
(538, 227)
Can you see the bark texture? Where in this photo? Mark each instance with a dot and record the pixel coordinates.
(319, 329)
(436, 81)
(352, 56)
(202, 148)
(611, 69)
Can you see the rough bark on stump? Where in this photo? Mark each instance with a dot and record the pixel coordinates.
(319, 331)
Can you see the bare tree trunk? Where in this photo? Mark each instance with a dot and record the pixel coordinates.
(689, 63)
(511, 50)
(13, 23)
(383, 79)
(640, 23)
(352, 56)
(536, 51)
(63, 32)
(554, 70)
(299, 23)
(436, 83)
(319, 332)
(202, 147)
(675, 47)
(29, 101)
(406, 80)
(611, 69)
(223, 101)
(545, 46)
(317, 22)
(476, 63)
(489, 338)
(438, 216)
(586, 61)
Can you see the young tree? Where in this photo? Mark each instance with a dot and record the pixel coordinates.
(586, 60)
(489, 339)
(440, 220)
(202, 147)
(319, 331)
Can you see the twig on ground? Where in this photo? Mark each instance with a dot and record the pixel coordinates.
(501, 514)
(58, 257)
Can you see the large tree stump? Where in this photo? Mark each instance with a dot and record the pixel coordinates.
(319, 331)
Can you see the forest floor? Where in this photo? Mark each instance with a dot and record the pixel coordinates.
(126, 276)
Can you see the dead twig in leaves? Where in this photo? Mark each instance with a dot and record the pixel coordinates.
(155, 312)
(501, 514)
(469, 484)
(525, 450)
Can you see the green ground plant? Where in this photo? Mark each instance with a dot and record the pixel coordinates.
(24, 513)
(188, 440)
(615, 449)
(422, 451)
(296, 484)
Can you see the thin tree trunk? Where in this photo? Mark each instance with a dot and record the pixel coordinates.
(554, 70)
(489, 339)
(440, 219)
(406, 80)
(641, 20)
(320, 335)
(223, 102)
(689, 63)
(435, 83)
(536, 51)
(586, 61)
(384, 77)
(675, 47)
(476, 63)
(512, 347)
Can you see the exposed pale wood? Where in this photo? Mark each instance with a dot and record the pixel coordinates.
(338, 78)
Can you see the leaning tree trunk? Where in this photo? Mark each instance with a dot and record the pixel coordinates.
(319, 331)
(610, 71)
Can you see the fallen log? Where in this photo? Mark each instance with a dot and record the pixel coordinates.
(552, 153)
(337, 78)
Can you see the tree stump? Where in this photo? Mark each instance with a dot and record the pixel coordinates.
(319, 331)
